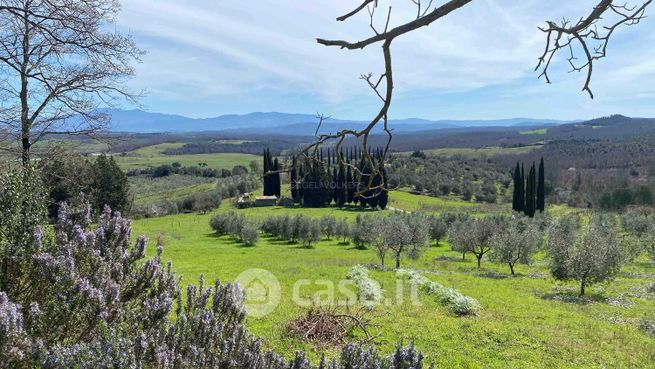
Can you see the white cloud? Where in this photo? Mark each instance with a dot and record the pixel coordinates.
(231, 49)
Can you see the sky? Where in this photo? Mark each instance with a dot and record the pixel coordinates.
(206, 58)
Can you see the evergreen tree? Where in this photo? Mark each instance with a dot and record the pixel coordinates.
(341, 189)
(300, 183)
(350, 185)
(110, 185)
(517, 204)
(541, 188)
(315, 192)
(293, 182)
(266, 170)
(334, 184)
(277, 185)
(384, 195)
(530, 192)
(523, 188)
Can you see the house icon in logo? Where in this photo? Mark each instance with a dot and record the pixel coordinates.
(262, 291)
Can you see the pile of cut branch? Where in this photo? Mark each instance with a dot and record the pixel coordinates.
(327, 325)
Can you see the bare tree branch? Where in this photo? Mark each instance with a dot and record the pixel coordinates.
(63, 63)
(586, 31)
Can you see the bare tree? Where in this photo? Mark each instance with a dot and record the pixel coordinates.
(567, 35)
(58, 63)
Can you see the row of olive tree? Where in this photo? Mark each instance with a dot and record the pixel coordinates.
(237, 226)
(586, 252)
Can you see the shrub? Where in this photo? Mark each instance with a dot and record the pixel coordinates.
(449, 297)
(370, 291)
(250, 234)
(206, 201)
(648, 326)
(309, 231)
(329, 226)
(343, 231)
(588, 255)
(220, 223)
(514, 242)
(474, 236)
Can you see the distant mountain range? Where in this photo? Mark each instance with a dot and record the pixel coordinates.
(140, 121)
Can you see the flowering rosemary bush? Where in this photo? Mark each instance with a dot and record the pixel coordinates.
(89, 299)
(370, 291)
(449, 297)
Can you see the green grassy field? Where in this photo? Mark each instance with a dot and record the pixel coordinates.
(153, 156)
(525, 323)
(148, 190)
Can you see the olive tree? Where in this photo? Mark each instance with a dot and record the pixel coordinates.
(403, 234)
(515, 242)
(361, 232)
(329, 226)
(249, 234)
(343, 231)
(438, 228)
(587, 254)
(473, 236)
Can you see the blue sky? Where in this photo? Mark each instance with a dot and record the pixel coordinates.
(211, 57)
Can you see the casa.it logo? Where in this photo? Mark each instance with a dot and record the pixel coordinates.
(262, 289)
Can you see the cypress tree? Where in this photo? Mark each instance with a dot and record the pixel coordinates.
(523, 188)
(384, 195)
(294, 182)
(518, 186)
(267, 189)
(530, 192)
(277, 185)
(541, 188)
(334, 180)
(300, 183)
(350, 186)
(341, 189)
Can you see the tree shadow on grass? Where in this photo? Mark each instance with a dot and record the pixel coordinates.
(492, 274)
(573, 297)
(457, 259)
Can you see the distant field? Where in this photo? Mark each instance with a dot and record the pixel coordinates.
(487, 151)
(525, 323)
(153, 190)
(153, 156)
(542, 131)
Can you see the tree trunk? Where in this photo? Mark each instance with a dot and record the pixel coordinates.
(511, 268)
(582, 286)
(398, 262)
(479, 260)
(463, 256)
(25, 108)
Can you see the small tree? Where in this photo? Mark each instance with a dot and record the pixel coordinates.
(206, 201)
(361, 233)
(472, 236)
(250, 234)
(403, 234)
(343, 231)
(309, 231)
(329, 226)
(220, 223)
(438, 229)
(588, 254)
(109, 185)
(516, 242)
